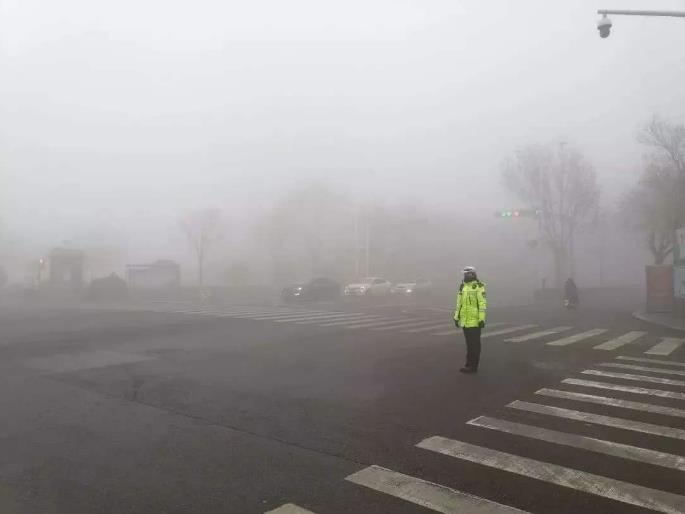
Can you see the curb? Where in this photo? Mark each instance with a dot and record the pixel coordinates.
(642, 316)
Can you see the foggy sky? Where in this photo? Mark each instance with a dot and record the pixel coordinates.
(117, 116)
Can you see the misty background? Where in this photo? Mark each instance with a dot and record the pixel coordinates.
(116, 118)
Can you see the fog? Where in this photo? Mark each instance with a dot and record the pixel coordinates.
(116, 118)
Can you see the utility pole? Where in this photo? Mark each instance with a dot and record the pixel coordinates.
(368, 252)
(356, 242)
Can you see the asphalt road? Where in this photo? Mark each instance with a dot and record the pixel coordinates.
(355, 408)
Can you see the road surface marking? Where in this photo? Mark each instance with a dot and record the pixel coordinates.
(485, 333)
(655, 361)
(625, 492)
(630, 376)
(643, 368)
(406, 324)
(577, 337)
(599, 419)
(427, 494)
(309, 317)
(537, 335)
(626, 389)
(427, 329)
(354, 316)
(262, 314)
(505, 330)
(364, 318)
(624, 451)
(66, 362)
(619, 341)
(286, 315)
(667, 346)
(379, 323)
(289, 508)
(613, 402)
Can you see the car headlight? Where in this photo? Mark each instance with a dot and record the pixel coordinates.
(409, 290)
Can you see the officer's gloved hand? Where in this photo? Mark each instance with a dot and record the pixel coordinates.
(481, 324)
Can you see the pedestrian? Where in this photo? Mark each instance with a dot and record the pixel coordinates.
(469, 314)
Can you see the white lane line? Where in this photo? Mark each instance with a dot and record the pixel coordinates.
(506, 330)
(655, 361)
(577, 337)
(643, 368)
(333, 317)
(406, 324)
(667, 346)
(364, 318)
(661, 393)
(427, 494)
(624, 451)
(484, 334)
(612, 402)
(599, 419)
(630, 376)
(619, 341)
(260, 314)
(426, 329)
(537, 335)
(289, 508)
(598, 485)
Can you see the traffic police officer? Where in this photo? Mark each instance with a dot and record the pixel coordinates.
(469, 314)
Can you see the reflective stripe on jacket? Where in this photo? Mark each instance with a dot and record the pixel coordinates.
(471, 304)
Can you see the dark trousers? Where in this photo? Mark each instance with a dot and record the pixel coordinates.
(472, 336)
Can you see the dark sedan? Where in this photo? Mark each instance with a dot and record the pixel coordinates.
(314, 290)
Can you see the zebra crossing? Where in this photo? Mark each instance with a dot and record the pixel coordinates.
(560, 336)
(529, 423)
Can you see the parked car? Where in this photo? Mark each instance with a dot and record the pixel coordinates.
(370, 286)
(417, 287)
(317, 289)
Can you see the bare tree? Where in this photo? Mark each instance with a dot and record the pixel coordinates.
(562, 185)
(202, 228)
(656, 205)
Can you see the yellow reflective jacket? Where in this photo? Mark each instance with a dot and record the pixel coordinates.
(471, 304)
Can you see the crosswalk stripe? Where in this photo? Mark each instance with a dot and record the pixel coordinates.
(427, 494)
(377, 323)
(334, 317)
(537, 335)
(289, 508)
(625, 389)
(309, 317)
(599, 419)
(364, 318)
(485, 333)
(667, 346)
(406, 324)
(259, 314)
(619, 341)
(624, 451)
(427, 329)
(606, 487)
(270, 317)
(506, 331)
(655, 361)
(577, 337)
(613, 402)
(630, 376)
(643, 368)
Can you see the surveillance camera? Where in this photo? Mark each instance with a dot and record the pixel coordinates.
(604, 27)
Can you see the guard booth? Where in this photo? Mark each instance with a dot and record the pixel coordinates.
(66, 267)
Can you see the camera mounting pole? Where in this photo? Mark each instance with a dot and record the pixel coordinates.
(673, 14)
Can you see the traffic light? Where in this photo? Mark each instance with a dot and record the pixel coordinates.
(519, 213)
